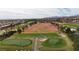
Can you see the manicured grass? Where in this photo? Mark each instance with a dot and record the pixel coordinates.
(34, 35)
(25, 40)
(16, 42)
(54, 40)
(54, 43)
(71, 25)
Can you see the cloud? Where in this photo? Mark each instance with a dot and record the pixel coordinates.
(16, 13)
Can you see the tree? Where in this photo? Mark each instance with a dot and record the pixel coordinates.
(68, 30)
(19, 30)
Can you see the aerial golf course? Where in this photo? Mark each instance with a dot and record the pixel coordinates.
(38, 37)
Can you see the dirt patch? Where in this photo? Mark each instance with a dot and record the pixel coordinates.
(41, 28)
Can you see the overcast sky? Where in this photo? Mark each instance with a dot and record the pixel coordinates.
(16, 13)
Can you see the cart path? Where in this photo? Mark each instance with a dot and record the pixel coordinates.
(35, 48)
(68, 41)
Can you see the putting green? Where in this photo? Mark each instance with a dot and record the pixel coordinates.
(15, 42)
(54, 43)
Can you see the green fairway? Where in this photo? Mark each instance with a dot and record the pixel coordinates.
(15, 42)
(71, 25)
(54, 43)
(26, 40)
(34, 35)
(54, 40)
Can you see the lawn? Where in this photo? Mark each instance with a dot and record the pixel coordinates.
(16, 42)
(34, 35)
(25, 40)
(71, 25)
(54, 43)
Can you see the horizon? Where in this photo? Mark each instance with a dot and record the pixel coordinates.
(23, 13)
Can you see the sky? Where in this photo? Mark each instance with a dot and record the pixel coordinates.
(20, 13)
